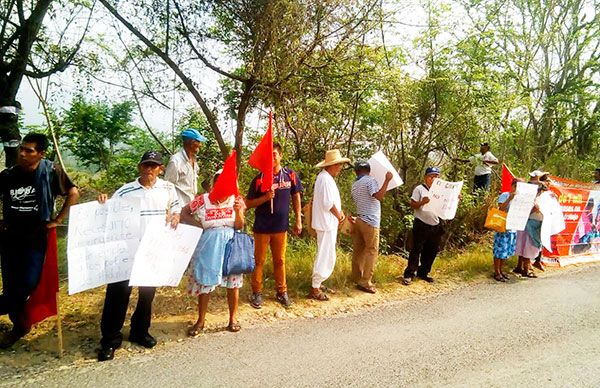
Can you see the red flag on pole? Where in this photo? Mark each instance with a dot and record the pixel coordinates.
(507, 178)
(42, 302)
(262, 157)
(226, 183)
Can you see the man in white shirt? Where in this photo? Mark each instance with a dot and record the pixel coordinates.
(327, 215)
(158, 199)
(427, 232)
(183, 169)
(483, 162)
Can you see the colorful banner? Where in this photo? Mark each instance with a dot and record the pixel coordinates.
(579, 242)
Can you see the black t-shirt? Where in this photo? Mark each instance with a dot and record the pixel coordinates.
(18, 189)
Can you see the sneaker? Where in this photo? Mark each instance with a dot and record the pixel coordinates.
(406, 281)
(256, 300)
(284, 299)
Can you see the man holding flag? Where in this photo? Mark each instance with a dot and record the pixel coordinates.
(270, 193)
(28, 192)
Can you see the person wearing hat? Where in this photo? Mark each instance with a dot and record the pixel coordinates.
(327, 214)
(427, 232)
(541, 178)
(182, 169)
(28, 191)
(271, 223)
(483, 162)
(367, 196)
(158, 199)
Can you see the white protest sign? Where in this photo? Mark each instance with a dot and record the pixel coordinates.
(520, 206)
(380, 165)
(554, 221)
(443, 198)
(163, 254)
(102, 242)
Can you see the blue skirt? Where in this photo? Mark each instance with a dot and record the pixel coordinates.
(505, 244)
(207, 260)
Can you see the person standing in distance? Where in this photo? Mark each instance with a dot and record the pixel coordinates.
(183, 169)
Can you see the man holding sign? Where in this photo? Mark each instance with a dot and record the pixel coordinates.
(158, 200)
(427, 232)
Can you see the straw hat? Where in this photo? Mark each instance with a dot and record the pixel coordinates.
(332, 157)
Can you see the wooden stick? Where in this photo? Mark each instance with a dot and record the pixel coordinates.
(59, 327)
(271, 205)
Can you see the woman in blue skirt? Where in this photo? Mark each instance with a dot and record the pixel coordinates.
(504, 242)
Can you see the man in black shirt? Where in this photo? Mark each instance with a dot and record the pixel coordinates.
(28, 190)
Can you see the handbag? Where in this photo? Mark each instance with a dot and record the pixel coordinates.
(239, 254)
(495, 220)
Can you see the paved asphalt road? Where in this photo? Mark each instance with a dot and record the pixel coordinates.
(534, 333)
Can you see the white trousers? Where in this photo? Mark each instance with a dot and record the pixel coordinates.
(325, 261)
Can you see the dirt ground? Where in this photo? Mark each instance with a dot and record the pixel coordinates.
(174, 312)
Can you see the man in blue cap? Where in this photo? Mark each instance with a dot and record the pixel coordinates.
(427, 232)
(183, 169)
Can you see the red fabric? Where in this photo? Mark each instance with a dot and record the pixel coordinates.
(42, 302)
(226, 183)
(507, 178)
(262, 157)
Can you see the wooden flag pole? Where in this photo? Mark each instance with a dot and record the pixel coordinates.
(271, 205)
(59, 327)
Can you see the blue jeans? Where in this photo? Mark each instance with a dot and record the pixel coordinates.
(482, 182)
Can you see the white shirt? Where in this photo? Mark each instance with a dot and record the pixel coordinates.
(326, 195)
(480, 167)
(427, 217)
(185, 177)
(154, 201)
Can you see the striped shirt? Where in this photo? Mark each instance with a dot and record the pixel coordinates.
(368, 207)
(154, 201)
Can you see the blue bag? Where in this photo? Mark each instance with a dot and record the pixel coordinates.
(239, 254)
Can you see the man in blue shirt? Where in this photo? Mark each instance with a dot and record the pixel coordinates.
(367, 196)
(271, 224)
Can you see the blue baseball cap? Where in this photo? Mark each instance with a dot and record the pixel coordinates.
(432, 170)
(192, 133)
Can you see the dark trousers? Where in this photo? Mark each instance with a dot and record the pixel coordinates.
(482, 182)
(115, 309)
(22, 253)
(426, 245)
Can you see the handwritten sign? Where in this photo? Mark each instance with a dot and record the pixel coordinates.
(520, 206)
(443, 198)
(380, 165)
(102, 241)
(554, 221)
(163, 254)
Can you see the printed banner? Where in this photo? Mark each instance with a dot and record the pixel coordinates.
(380, 165)
(443, 198)
(579, 240)
(163, 254)
(102, 241)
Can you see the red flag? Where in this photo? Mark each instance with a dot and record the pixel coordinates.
(42, 302)
(507, 178)
(262, 157)
(226, 183)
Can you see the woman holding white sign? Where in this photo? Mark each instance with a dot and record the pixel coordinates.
(219, 216)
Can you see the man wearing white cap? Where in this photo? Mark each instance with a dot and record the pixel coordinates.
(327, 214)
(183, 169)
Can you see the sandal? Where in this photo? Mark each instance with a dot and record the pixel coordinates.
(320, 295)
(530, 274)
(195, 331)
(369, 289)
(499, 278)
(327, 289)
(505, 276)
(234, 327)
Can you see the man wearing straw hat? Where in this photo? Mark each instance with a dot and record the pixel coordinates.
(327, 214)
